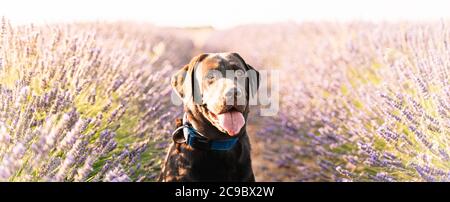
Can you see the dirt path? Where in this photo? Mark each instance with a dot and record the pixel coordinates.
(263, 168)
(265, 151)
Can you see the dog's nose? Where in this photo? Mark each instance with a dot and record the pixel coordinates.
(234, 92)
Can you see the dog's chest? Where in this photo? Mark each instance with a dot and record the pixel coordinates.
(185, 164)
(216, 166)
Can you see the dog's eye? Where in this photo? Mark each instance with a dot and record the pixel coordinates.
(211, 77)
(239, 73)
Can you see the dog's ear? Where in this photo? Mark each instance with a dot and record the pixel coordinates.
(253, 80)
(183, 80)
(178, 79)
(252, 75)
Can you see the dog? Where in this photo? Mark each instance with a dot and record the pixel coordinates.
(211, 141)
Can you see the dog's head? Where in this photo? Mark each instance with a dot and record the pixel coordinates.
(218, 86)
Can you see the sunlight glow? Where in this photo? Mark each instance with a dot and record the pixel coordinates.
(220, 14)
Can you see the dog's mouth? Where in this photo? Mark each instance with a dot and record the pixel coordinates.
(230, 121)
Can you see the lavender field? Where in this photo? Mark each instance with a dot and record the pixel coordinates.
(359, 101)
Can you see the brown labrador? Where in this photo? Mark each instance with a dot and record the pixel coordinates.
(211, 143)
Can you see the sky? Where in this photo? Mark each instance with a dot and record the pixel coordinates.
(221, 14)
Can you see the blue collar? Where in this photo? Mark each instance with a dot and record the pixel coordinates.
(194, 139)
(197, 140)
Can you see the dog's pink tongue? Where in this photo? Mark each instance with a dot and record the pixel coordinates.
(232, 122)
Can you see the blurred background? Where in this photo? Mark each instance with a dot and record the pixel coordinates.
(364, 86)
